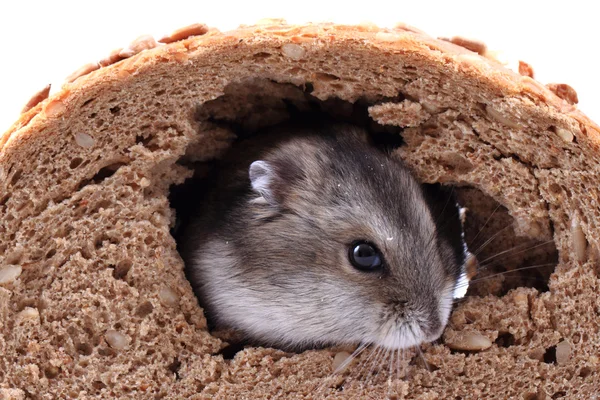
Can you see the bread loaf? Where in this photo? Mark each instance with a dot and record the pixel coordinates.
(93, 298)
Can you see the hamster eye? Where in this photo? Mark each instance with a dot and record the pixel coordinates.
(364, 256)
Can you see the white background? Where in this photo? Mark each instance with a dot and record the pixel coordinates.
(43, 42)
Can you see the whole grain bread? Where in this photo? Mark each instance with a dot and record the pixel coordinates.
(93, 298)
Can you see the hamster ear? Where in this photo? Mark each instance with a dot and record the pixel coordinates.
(262, 178)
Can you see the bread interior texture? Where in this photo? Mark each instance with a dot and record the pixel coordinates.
(93, 296)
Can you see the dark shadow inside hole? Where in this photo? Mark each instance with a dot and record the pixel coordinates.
(550, 355)
(101, 175)
(174, 368)
(505, 339)
(228, 352)
(506, 261)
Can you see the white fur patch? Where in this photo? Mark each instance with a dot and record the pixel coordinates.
(261, 178)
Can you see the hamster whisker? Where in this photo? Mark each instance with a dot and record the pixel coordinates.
(535, 246)
(484, 225)
(418, 347)
(379, 357)
(512, 270)
(390, 355)
(423, 358)
(437, 219)
(342, 367)
(507, 272)
(489, 240)
(363, 363)
(397, 369)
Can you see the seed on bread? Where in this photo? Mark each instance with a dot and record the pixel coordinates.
(474, 45)
(29, 314)
(168, 296)
(36, 99)
(84, 140)
(565, 134)
(468, 341)
(84, 70)
(144, 42)
(525, 69)
(564, 91)
(116, 340)
(113, 57)
(293, 51)
(580, 243)
(54, 108)
(563, 352)
(184, 33)
(9, 273)
(339, 359)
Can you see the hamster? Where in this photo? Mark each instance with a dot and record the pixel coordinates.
(319, 238)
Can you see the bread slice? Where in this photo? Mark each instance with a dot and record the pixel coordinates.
(93, 298)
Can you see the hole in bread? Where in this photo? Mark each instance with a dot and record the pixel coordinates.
(122, 269)
(507, 261)
(262, 55)
(51, 371)
(15, 177)
(4, 199)
(144, 309)
(75, 162)
(174, 368)
(147, 139)
(505, 339)
(420, 362)
(584, 372)
(102, 174)
(550, 355)
(228, 352)
(50, 253)
(98, 385)
(85, 349)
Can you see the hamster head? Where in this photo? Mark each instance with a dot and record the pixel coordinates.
(335, 243)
